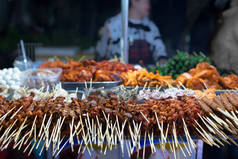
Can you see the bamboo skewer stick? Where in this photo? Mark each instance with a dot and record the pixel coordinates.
(5, 115)
(208, 136)
(10, 138)
(42, 125)
(80, 147)
(61, 148)
(219, 120)
(71, 140)
(188, 137)
(175, 135)
(144, 145)
(205, 138)
(32, 128)
(42, 148)
(28, 145)
(174, 151)
(219, 133)
(20, 129)
(59, 143)
(180, 147)
(145, 117)
(31, 148)
(54, 135)
(16, 112)
(21, 141)
(8, 130)
(209, 128)
(42, 136)
(189, 151)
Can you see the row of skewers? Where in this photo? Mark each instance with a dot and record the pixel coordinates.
(29, 121)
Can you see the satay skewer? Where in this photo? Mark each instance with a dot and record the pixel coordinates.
(189, 150)
(43, 121)
(174, 150)
(144, 144)
(31, 149)
(219, 133)
(6, 146)
(183, 152)
(51, 136)
(86, 145)
(71, 140)
(80, 147)
(206, 124)
(32, 128)
(41, 137)
(128, 149)
(20, 142)
(204, 137)
(132, 137)
(16, 112)
(188, 137)
(208, 136)
(59, 143)
(161, 133)
(59, 128)
(55, 137)
(151, 140)
(6, 114)
(175, 135)
(42, 148)
(20, 129)
(220, 122)
(9, 138)
(8, 130)
(28, 145)
(61, 148)
(166, 133)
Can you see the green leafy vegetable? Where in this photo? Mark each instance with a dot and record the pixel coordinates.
(180, 63)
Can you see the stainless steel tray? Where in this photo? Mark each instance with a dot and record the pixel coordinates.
(223, 91)
(141, 88)
(70, 86)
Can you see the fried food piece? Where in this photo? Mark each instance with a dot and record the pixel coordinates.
(195, 84)
(230, 81)
(141, 77)
(75, 71)
(102, 75)
(206, 76)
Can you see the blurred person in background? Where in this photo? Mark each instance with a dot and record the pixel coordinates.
(145, 43)
(224, 45)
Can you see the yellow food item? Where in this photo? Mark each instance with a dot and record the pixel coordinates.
(141, 77)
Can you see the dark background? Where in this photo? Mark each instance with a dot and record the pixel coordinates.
(187, 25)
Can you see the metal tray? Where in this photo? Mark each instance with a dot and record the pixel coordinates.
(141, 88)
(71, 86)
(223, 91)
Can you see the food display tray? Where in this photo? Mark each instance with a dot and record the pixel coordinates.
(223, 91)
(71, 86)
(141, 88)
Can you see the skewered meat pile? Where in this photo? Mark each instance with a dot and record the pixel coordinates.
(141, 77)
(206, 76)
(74, 71)
(169, 110)
(28, 119)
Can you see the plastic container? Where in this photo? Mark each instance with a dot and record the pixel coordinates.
(38, 78)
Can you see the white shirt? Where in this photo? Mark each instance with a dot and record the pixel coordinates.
(111, 47)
